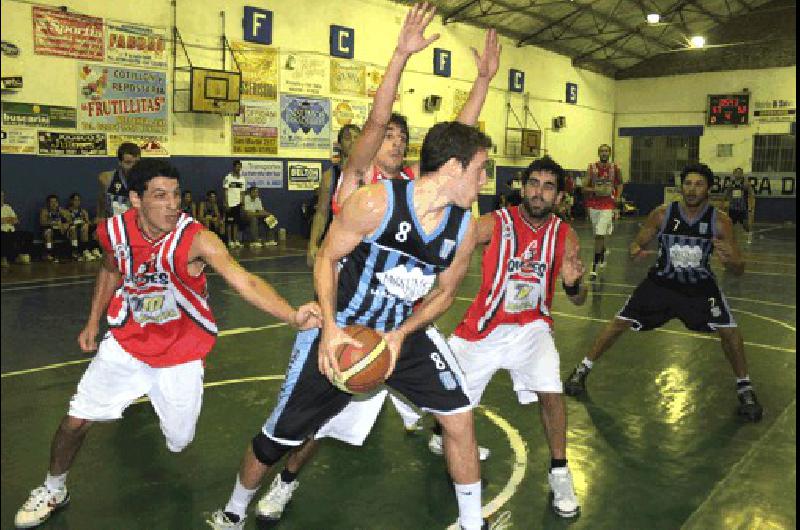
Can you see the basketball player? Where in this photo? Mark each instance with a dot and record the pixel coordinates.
(681, 284)
(54, 222)
(79, 229)
(741, 202)
(603, 189)
(152, 287)
(113, 197)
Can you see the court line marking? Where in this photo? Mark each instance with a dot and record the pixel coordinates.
(515, 440)
(739, 463)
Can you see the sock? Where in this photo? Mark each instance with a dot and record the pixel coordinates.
(743, 384)
(239, 500)
(557, 462)
(469, 505)
(48, 246)
(74, 243)
(55, 482)
(437, 428)
(287, 476)
(587, 363)
(598, 257)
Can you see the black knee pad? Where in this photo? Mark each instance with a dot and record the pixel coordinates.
(267, 450)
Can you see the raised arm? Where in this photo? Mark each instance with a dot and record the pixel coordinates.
(648, 231)
(410, 41)
(725, 245)
(208, 248)
(487, 64)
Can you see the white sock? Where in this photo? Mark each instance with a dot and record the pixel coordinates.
(587, 363)
(469, 505)
(57, 482)
(240, 499)
(74, 243)
(48, 246)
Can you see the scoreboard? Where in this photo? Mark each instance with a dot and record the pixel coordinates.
(728, 109)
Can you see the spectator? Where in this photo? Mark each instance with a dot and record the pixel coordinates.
(16, 245)
(54, 222)
(233, 186)
(113, 198)
(209, 214)
(188, 206)
(79, 229)
(254, 213)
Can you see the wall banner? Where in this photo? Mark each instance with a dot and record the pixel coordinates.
(33, 115)
(304, 73)
(259, 68)
(57, 143)
(263, 173)
(255, 130)
(348, 78)
(64, 34)
(18, 141)
(305, 122)
(136, 45)
(304, 176)
(150, 145)
(121, 100)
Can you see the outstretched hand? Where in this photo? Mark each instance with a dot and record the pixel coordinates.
(412, 38)
(489, 61)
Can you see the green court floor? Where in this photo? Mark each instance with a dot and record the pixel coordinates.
(654, 445)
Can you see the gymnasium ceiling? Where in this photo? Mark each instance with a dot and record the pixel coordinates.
(613, 37)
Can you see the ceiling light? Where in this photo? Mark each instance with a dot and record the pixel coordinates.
(653, 18)
(698, 41)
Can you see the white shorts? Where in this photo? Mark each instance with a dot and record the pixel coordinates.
(115, 379)
(602, 221)
(527, 352)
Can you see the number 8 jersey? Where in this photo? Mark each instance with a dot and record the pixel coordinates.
(160, 313)
(519, 270)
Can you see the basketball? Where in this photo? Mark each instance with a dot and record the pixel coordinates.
(362, 368)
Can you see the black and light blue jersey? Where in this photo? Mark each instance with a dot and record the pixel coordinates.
(684, 248)
(738, 197)
(390, 270)
(117, 200)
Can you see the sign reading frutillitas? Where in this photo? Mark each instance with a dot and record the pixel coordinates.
(343, 41)
(257, 25)
(516, 81)
(441, 62)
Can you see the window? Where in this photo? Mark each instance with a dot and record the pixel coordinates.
(773, 152)
(655, 159)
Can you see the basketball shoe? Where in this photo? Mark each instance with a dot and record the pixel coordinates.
(749, 407)
(272, 504)
(565, 503)
(435, 446)
(576, 382)
(40, 505)
(221, 520)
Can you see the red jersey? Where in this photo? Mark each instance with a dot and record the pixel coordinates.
(603, 175)
(160, 313)
(377, 175)
(520, 267)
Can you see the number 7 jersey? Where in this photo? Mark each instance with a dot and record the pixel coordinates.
(519, 270)
(159, 313)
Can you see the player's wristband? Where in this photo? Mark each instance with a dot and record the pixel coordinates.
(572, 290)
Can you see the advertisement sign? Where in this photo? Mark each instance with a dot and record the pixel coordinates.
(18, 141)
(304, 73)
(263, 173)
(136, 45)
(150, 145)
(34, 115)
(57, 143)
(64, 34)
(255, 129)
(347, 111)
(374, 76)
(121, 100)
(259, 68)
(348, 78)
(304, 176)
(305, 122)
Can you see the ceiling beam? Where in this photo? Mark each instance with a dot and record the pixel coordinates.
(450, 17)
(713, 16)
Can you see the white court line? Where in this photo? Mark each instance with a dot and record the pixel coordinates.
(754, 300)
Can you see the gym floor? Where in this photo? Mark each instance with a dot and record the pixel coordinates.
(654, 445)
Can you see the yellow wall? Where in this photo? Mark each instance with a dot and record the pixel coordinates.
(302, 25)
(682, 100)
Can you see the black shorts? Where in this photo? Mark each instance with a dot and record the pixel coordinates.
(426, 373)
(234, 214)
(738, 216)
(652, 305)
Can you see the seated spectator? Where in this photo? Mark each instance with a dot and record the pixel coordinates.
(54, 222)
(188, 206)
(254, 214)
(16, 245)
(79, 230)
(209, 214)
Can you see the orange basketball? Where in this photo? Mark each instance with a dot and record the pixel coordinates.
(362, 368)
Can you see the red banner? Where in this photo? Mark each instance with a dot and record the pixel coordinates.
(57, 32)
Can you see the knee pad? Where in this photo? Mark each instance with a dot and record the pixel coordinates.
(267, 450)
